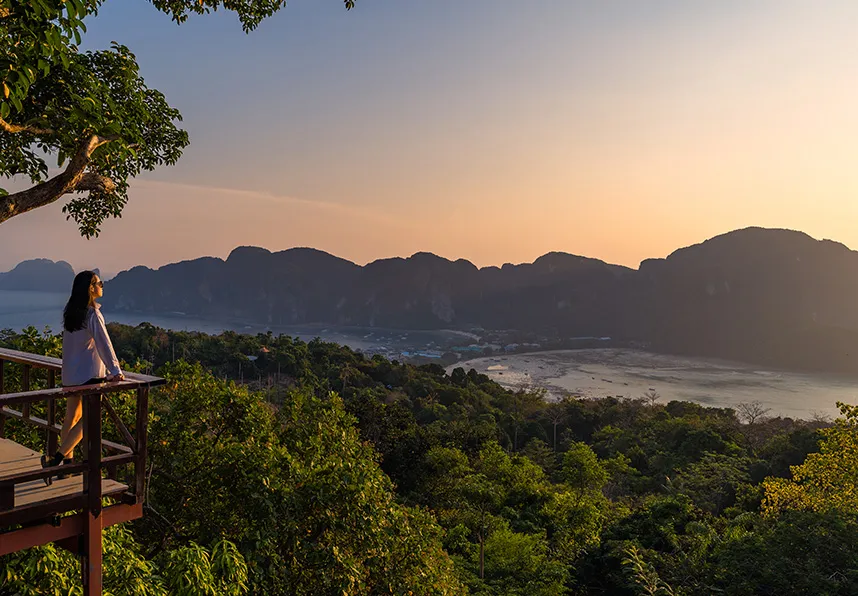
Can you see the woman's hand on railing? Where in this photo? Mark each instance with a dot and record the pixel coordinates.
(115, 378)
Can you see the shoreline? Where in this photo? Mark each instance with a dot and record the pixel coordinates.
(627, 373)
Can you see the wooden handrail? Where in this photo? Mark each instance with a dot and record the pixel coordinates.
(32, 359)
(95, 399)
(39, 361)
(43, 473)
(25, 397)
(55, 429)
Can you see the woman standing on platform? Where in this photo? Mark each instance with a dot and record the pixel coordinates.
(88, 358)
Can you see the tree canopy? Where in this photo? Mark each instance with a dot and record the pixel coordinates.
(826, 481)
(89, 110)
(315, 469)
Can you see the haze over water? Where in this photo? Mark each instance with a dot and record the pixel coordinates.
(589, 373)
(20, 309)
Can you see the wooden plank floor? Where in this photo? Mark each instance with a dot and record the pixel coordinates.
(15, 458)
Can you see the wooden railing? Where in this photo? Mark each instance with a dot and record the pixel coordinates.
(129, 449)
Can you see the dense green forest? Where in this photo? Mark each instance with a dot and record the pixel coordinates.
(284, 467)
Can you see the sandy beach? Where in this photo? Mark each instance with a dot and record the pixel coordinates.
(632, 373)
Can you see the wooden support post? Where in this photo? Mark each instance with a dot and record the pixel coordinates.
(91, 560)
(7, 496)
(25, 386)
(51, 437)
(140, 462)
(2, 390)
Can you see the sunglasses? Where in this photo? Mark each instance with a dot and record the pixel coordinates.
(98, 283)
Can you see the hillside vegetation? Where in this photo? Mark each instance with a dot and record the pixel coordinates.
(326, 472)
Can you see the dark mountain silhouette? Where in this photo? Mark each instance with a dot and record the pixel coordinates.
(41, 275)
(771, 296)
(777, 297)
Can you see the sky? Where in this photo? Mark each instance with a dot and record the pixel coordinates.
(491, 131)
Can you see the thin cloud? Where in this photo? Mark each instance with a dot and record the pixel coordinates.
(340, 208)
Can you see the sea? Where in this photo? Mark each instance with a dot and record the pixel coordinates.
(19, 309)
(592, 373)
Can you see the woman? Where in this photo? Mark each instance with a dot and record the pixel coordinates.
(88, 358)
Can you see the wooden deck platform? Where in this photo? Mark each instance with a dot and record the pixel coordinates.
(15, 459)
(71, 512)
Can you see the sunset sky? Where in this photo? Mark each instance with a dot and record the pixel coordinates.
(486, 130)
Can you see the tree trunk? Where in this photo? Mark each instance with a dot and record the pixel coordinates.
(482, 559)
(482, 549)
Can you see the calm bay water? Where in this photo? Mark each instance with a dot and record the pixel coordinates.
(595, 373)
(41, 309)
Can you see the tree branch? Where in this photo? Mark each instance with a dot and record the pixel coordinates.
(99, 141)
(16, 128)
(74, 178)
(93, 181)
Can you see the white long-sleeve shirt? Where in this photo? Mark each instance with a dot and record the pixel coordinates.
(87, 352)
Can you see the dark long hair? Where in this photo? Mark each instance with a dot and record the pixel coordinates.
(76, 308)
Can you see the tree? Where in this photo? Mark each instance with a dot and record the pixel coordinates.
(482, 498)
(541, 454)
(582, 470)
(826, 481)
(713, 481)
(645, 578)
(297, 490)
(556, 413)
(468, 499)
(794, 553)
(501, 494)
(189, 570)
(518, 563)
(574, 521)
(90, 110)
(521, 406)
(651, 397)
(752, 412)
